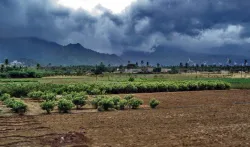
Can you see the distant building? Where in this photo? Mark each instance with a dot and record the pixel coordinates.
(165, 70)
(147, 69)
(224, 72)
(131, 66)
(135, 70)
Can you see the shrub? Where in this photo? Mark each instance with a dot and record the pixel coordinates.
(49, 96)
(48, 106)
(128, 97)
(9, 102)
(65, 105)
(131, 79)
(116, 99)
(227, 85)
(36, 94)
(18, 90)
(68, 97)
(134, 103)
(4, 97)
(154, 103)
(79, 101)
(122, 103)
(106, 103)
(96, 100)
(19, 107)
(95, 91)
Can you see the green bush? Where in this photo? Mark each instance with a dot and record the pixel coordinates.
(49, 96)
(106, 103)
(65, 105)
(68, 97)
(9, 102)
(95, 91)
(116, 99)
(96, 100)
(35, 94)
(19, 90)
(131, 79)
(128, 97)
(123, 103)
(18, 107)
(134, 103)
(4, 97)
(48, 106)
(79, 101)
(154, 103)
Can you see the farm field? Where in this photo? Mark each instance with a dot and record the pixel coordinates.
(198, 118)
(236, 81)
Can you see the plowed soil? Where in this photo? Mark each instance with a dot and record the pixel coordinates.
(205, 118)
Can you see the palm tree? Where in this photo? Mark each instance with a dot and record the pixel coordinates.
(245, 62)
(142, 62)
(181, 64)
(38, 66)
(6, 61)
(186, 65)
(158, 65)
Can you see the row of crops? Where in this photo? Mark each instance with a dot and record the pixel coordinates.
(22, 89)
(67, 102)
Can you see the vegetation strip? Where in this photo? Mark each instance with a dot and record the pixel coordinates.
(23, 89)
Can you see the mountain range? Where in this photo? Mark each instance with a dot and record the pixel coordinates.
(36, 50)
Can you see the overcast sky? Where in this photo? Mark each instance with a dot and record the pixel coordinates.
(114, 26)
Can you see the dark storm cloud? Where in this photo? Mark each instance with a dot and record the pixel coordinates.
(143, 25)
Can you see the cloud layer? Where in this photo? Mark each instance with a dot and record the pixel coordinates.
(194, 25)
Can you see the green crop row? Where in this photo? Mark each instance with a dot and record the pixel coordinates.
(23, 89)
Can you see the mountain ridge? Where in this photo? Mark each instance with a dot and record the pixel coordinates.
(45, 52)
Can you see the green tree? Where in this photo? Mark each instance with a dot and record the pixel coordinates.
(158, 65)
(181, 64)
(2, 68)
(186, 65)
(100, 68)
(6, 61)
(142, 62)
(38, 66)
(245, 62)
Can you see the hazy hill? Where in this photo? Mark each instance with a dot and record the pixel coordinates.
(45, 52)
(34, 50)
(173, 56)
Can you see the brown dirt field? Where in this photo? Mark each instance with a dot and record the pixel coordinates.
(205, 118)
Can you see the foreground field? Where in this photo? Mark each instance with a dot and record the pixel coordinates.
(205, 118)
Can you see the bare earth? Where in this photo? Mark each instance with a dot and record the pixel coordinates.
(205, 118)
